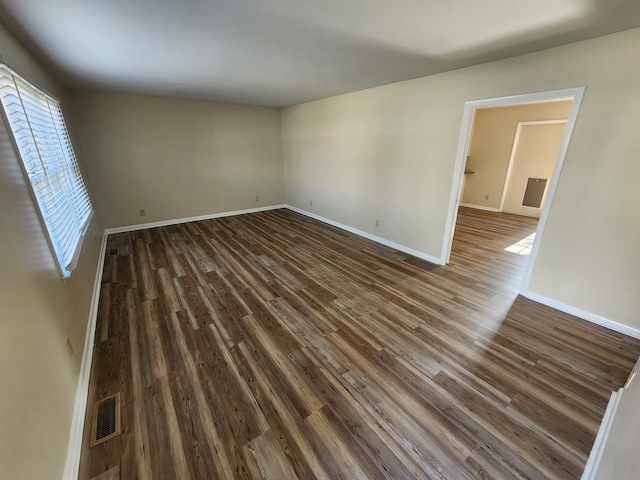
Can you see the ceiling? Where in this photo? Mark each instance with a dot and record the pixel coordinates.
(284, 52)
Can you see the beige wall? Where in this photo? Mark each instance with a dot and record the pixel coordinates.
(534, 156)
(38, 312)
(388, 153)
(177, 158)
(491, 143)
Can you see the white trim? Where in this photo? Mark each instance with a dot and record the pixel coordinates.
(524, 98)
(583, 314)
(464, 143)
(74, 448)
(595, 456)
(464, 140)
(512, 156)
(361, 233)
(543, 122)
(480, 207)
(176, 221)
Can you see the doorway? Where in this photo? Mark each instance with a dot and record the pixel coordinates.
(495, 201)
(532, 160)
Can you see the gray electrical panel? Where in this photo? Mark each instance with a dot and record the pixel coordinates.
(534, 192)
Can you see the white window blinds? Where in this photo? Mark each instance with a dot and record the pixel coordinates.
(43, 143)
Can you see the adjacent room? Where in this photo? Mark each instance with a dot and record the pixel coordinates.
(301, 240)
(513, 152)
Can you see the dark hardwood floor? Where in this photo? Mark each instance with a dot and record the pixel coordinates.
(271, 345)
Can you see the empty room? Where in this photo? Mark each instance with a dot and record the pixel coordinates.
(319, 240)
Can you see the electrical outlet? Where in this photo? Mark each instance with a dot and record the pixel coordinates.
(486, 197)
(69, 347)
(257, 198)
(142, 213)
(377, 223)
(311, 203)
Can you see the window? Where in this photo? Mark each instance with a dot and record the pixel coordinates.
(44, 146)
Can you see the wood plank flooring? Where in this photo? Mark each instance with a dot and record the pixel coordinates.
(273, 346)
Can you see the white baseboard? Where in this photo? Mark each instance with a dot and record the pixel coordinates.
(591, 317)
(480, 207)
(361, 233)
(72, 464)
(593, 461)
(176, 221)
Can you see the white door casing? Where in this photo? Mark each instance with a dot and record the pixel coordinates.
(470, 107)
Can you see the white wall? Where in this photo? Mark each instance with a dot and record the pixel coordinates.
(388, 153)
(177, 158)
(38, 312)
(620, 459)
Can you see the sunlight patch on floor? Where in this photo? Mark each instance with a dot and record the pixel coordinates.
(522, 247)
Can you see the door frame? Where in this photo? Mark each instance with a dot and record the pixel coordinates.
(512, 155)
(576, 94)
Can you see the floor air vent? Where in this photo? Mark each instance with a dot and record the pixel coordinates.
(106, 419)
